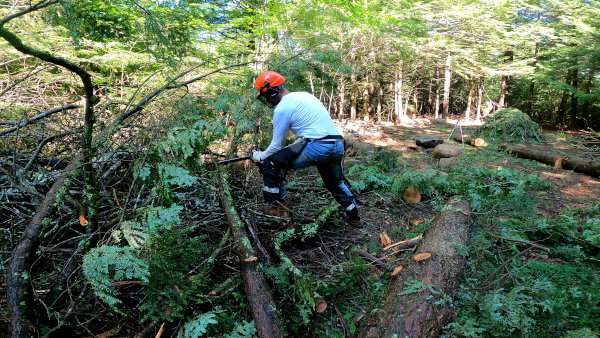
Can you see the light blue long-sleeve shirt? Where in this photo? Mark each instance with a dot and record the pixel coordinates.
(304, 115)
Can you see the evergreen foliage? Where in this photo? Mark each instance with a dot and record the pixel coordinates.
(510, 125)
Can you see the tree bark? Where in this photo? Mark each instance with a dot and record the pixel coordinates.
(437, 94)
(578, 164)
(342, 98)
(573, 123)
(408, 308)
(502, 103)
(470, 100)
(264, 312)
(353, 90)
(532, 84)
(447, 75)
(479, 97)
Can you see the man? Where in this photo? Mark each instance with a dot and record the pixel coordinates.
(320, 144)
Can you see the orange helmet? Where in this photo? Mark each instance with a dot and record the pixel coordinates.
(266, 81)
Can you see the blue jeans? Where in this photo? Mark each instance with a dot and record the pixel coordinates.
(327, 156)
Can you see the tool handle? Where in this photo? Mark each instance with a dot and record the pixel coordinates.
(231, 160)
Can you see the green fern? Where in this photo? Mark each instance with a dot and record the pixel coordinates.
(197, 327)
(107, 264)
(242, 329)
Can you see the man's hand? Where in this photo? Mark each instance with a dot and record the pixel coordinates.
(256, 156)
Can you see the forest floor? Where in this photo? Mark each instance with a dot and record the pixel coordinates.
(330, 256)
(514, 201)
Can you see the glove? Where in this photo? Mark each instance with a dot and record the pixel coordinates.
(256, 156)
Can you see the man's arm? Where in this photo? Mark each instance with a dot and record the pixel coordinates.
(281, 125)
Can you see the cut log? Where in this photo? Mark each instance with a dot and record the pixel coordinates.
(447, 150)
(574, 163)
(428, 141)
(412, 195)
(408, 308)
(472, 141)
(264, 312)
(321, 305)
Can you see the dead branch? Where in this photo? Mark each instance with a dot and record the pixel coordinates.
(23, 123)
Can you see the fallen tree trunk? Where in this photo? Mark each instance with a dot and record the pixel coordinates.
(264, 312)
(408, 308)
(472, 141)
(574, 163)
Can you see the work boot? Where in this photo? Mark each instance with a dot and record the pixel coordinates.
(354, 218)
(355, 222)
(276, 208)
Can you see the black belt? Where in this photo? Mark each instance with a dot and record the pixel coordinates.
(327, 139)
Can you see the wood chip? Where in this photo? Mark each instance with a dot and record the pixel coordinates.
(422, 256)
(250, 259)
(418, 221)
(397, 269)
(359, 318)
(385, 239)
(160, 331)
(320, 305)
(82, 220)
(402, 242)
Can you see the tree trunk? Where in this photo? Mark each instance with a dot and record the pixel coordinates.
(470, 100)
(562, 106)
(573, 123)
(408, 308)
(342, 98)
(447, 75)
(578, 164)
(437, 94)
(532, 84)
(479, 97)
(502, 103)
(264, 312)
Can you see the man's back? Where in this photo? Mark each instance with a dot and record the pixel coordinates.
(304, 115)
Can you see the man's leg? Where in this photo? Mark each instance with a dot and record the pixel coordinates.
(332, 174)
(273, 190)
